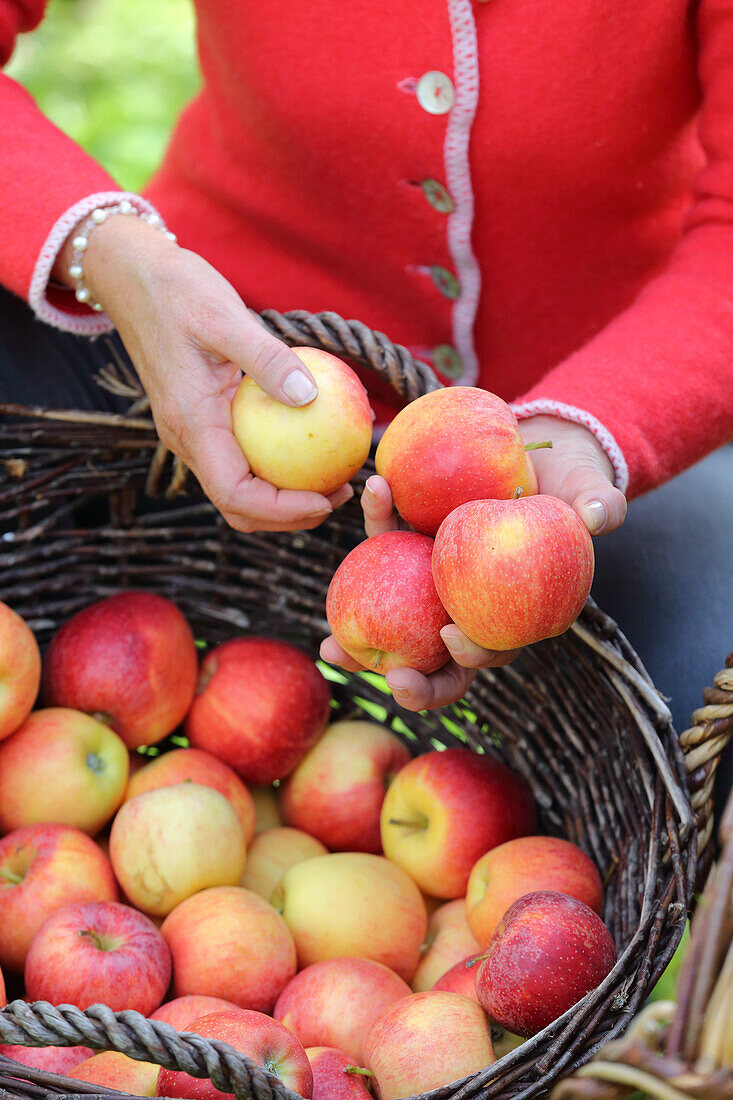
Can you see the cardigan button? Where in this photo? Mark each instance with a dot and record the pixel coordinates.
(447, 361)
(437, 195)
(435, 92)
(445, 281)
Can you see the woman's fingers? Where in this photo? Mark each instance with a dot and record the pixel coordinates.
(469, 655)
(415, 691)
(333, 654)
(341, 496)
(376, 502)
(272, 364)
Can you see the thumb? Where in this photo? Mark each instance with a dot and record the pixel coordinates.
(587, 488)
(272, 364)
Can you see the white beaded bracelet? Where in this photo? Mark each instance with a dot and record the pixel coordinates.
(81, 241)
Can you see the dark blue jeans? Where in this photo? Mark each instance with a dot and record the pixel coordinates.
(666, 576)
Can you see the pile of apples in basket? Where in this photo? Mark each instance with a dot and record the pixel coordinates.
(358, 921)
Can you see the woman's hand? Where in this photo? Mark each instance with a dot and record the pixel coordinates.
(190, 336)
(577, 470)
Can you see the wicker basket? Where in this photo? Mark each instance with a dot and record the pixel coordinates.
(577, 717)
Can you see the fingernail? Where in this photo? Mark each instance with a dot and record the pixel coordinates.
(594, 515)
(299, 388)
(369, 488)
(453, 642)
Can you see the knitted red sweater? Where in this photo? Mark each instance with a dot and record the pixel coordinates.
(580, 258)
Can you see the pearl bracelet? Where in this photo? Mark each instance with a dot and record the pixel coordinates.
(80, 243)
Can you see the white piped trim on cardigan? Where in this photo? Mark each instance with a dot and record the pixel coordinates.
(458, 181)
(545, 407)
(95, 323)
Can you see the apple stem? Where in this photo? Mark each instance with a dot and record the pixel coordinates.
(93, 937)
(359, 1070)
(10, 876)
(537, 446)
(407, 824)
(476, 959)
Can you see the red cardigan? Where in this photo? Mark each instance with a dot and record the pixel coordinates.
(583, 260)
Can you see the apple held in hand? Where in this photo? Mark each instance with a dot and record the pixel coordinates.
(64, 767)
(449, 447)
(523, 866)
(195, 766)
(445, 809)
(42, 868)
(169, 843)
(334, 1003)
(260, 705)
(98, 953)
(382, 606)
(227, 942)
(448, 941)
(270, 855)
(512, 572)
(20, 670)
(335, 1077)
(426, 1041)
(260, 1039)
(130, 660)
(319, 446)
(353, 904)
(337, 790)
(117, 1071)
(547, 953)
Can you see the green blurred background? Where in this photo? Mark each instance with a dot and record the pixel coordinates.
(114, 75)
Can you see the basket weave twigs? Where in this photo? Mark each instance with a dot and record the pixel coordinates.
(577, 716)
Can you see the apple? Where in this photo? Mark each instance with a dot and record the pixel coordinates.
(334, 1003)
(461, 978)
(98, 952)
(195, 766)
(450, 447)
(181, 1012)
(129, 660)
(523, 866)
(260, 705)
(548, 951)
(20, 670)
(43, 867)
(168, 843)
(117, 1071)
(267, 807)
(443, 810)
(49, 1059)
(270, 855)
(512, 572)
(227, 942)
(337, 790)
(335, 1077)
(260, 1039)
(382, 605)
(353, 904)
(64, 767)
(448, 941)
(426, 1041)
(319, 446)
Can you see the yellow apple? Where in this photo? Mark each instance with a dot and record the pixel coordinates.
(270, 855)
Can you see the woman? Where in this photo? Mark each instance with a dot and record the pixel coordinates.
(535, 198)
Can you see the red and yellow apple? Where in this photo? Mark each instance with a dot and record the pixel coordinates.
(181, 1012)
(195, 766)
(42, 868)
(523, 866)
(382, 605)
(129, 660)
(117, 1071)
(337, 790)
(270, 855)
(449, 447)
(59, 1060)
(98, 952)
(448, 941)
(445, 809)
(64, 767)
(353, 904)
(334, 1003)
(461, 978)
(227, 942)
(260, 705)
(260, 1039)
(319, 446)
(335, 1077)
(547, 953)
(169, 843)
(20, 670)
(512, 572)
(426, 1041)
